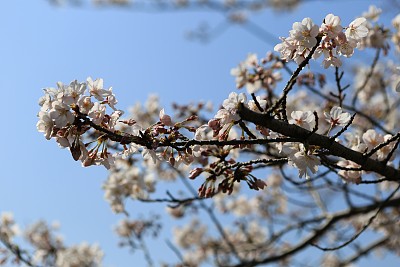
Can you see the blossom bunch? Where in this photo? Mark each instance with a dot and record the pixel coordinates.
(66, 114)
(46, 247)
(330, 39)
(255, 74)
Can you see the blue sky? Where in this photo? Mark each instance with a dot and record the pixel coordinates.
(136, 53)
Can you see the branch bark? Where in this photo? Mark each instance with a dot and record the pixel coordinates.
(312, 138)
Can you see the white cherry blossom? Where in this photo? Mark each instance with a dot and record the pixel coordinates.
(331, 26)
(357, 29)
(337, 117)
(305, 32)
(85, 104)
(350, 176)
(73, 92)
(96, 89)
(234, 100)
(304, 119)
(97, 112)
(45, 124)
(61, 114)
(302, 158)
(150, 155)
(373, 13)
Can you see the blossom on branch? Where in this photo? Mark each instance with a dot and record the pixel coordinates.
(333, 42)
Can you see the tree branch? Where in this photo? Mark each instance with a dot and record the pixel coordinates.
(335, 148)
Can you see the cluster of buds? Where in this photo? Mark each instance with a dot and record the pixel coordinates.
(229, 178)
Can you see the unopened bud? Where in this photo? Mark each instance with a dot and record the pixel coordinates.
(260, 184)
(165, 119)
(214, 124)
(195, 172)
(171, 161)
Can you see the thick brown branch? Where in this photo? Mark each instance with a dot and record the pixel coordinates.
(315, 139)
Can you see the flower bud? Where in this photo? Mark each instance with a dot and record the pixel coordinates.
(195, 172)
(165, 119)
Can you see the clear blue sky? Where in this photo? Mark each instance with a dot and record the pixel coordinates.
(137, 54)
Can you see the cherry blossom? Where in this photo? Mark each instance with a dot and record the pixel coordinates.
(357, 29)
(45, 124)
(373, 13)
(231, 104)
(304, 119)
(80, 255)
(333, 42)
(304, 160)
(305, 32)
(96, 89)
(336, 117)
(97, 112)
(331, 26)
(352, 175)
(61, 114)
(85, 104)
(72, 93)
(226, 149)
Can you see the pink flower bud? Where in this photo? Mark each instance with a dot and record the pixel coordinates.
(214, 124)
(260, 184)
(171, 161)
(195, 172)
(165, 119)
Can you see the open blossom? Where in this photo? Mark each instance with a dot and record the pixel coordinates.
(224, 117)
(301, 158)
(97, 112)
(85, 104)
(331, 26)
(240, 72)
(357, 29)
(61, 114)
(111, 100)
(251, 61)
(331, 61)
(149, 154)
(252, 104)
(96, 89)
(350, 175)
(372, 138)
(304, 119)
(287, 48)
(133, 148)
(337, 117)
(373, 13)
(234, 100)
(305, 32)
(45, 124)
(73, 92)
(345, 47)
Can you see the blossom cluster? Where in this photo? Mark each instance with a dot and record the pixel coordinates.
(255, 75)
(331, 38)
(62, 117)
(48, 248)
